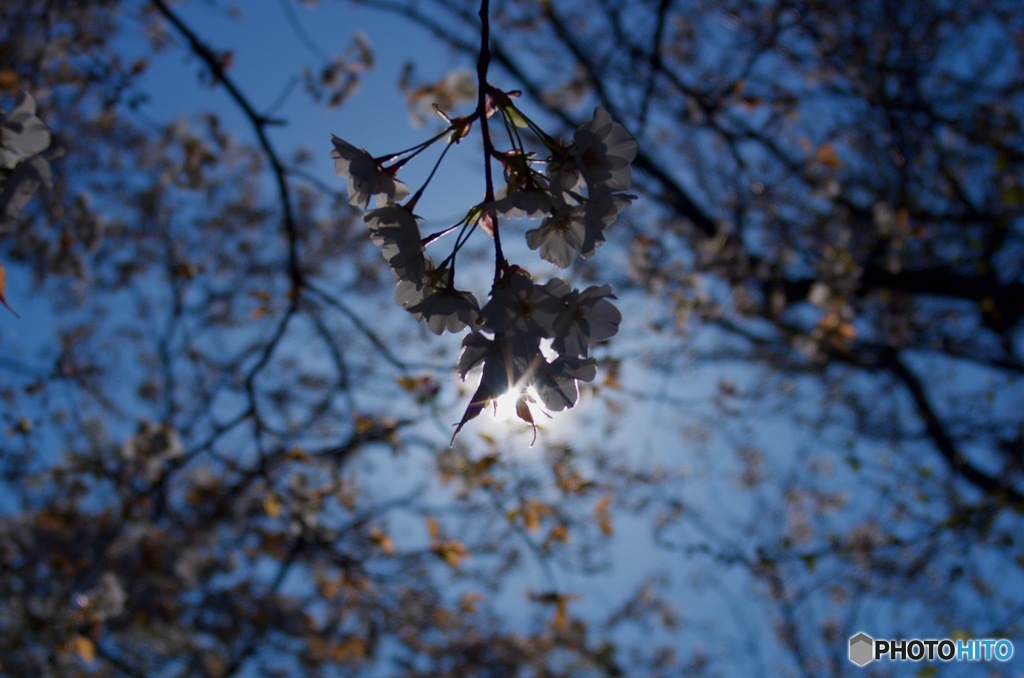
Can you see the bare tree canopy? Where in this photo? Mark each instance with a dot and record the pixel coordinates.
(226, 449)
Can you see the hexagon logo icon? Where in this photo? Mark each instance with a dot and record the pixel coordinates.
(862, 649)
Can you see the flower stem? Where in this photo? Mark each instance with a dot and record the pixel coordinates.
(412, 201)
(414, 151)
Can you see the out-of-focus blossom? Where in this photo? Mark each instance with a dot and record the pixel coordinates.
(22, 133)
(152, 447)
(25, 153)
(23, 182)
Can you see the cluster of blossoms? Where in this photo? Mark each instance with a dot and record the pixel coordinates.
(575, 192)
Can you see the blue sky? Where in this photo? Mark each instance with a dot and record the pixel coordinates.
(267, 55)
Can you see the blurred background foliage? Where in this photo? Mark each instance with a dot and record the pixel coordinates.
(225, 451)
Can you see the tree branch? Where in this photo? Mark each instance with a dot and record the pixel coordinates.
(259, 123)
(482, 64)
(992, 486)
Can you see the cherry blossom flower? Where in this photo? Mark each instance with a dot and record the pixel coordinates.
(526, 192)
(505, 366)
(587, 318)
(561, 235)
(517, 305)
(22, 134)
(393, 228)
(572, 230)
(555, 382)
(511, 359)
(364, 176)
(601, 212)
(604, 150)
(434, 300)
(448, 309)
(564, 176)
(475, 349)
(531, 203)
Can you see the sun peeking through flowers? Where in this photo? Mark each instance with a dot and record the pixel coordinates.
(530, 342)
(503, 408)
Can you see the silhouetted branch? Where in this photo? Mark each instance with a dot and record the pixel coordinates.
(992, 486)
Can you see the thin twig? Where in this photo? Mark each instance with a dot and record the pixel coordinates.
(482, 64)
(259, 123)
